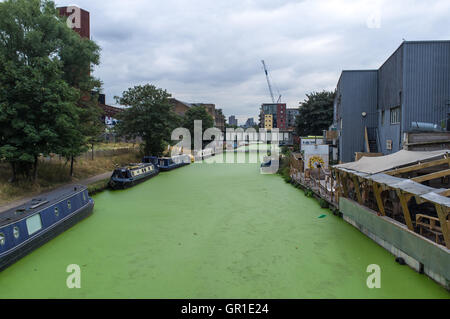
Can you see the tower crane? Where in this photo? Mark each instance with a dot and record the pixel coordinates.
(270, 85)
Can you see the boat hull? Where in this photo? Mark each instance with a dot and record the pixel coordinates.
(46, 235)
(117, 185)
(171, 167)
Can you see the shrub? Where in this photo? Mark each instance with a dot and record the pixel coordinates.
(323, 203)
(309, 193)
(98, 187)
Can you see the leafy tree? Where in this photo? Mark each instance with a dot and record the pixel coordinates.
(39, 111)
(150, 116)
(197, 113)
(79, 56)
(316, 113)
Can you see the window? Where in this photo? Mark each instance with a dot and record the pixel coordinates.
(382, 117)
(34, 224)
(395, 115)
(16, 232)
(69, 205)
(389, 145)
(56, 211)
(84, 196)
(2, 239)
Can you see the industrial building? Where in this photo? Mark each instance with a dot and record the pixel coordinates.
(232, 120)
(291, 117)
(405, 104)
(249, 123)
(268, 121)
(278, 115)
(79, 21)
(181, 108)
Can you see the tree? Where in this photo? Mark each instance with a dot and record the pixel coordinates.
(79, 56)
(316, 113)
(150, 116)
(39, 111)
(197, 113)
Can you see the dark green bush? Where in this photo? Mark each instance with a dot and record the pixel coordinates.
(98, 187)
(323, 203)
(309, 193)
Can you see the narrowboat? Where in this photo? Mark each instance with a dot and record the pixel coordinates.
(132, 174)
(168, 163)
(29, 226)
(270, 166)
(204, 154)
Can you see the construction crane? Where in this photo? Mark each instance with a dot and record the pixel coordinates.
(270, 85)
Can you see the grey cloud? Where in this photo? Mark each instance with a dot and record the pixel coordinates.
(210, 51)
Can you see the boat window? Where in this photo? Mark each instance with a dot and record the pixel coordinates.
(69, 204)
(84, 196)
(34, 224)
(2, 239)
(56, 211)
(16, 232)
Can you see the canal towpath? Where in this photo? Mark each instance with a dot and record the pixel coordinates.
(87, 181)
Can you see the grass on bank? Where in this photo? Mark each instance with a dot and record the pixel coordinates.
(55, 172)
(97, 187)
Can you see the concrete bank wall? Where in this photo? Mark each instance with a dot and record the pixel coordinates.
(418, 252)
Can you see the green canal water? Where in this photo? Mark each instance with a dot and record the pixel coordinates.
(212, 231)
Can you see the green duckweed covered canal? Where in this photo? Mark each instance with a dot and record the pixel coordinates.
(212, 231)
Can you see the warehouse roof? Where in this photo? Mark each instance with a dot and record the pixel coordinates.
(374, 165)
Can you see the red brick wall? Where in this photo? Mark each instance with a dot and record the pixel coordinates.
(281, 116)
(84, 20)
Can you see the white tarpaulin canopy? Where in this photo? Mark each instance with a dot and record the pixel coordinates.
(374, 165)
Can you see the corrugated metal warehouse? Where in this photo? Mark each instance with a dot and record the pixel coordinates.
(413, 85)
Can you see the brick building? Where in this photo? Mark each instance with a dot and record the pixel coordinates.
(279, 115)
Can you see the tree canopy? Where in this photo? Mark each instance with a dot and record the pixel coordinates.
(197, 113)
(316, 113)
(150, 116)
(39, 92)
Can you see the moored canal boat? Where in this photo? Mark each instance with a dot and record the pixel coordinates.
(26, 227)
(168, 163)
(132, 174)
(269, 166)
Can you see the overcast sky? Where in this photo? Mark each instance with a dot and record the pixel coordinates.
(210, 51)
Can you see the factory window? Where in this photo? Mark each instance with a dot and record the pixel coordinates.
(395, 115)
(16, 232)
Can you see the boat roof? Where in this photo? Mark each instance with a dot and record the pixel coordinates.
(134, 166)
(39, 203)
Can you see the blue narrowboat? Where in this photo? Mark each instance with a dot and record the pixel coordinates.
(132, 175)
(270, 166)
(26, 227)
(169, 163)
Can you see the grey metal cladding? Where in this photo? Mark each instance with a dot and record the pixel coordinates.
(358, 93)
(426, 82)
